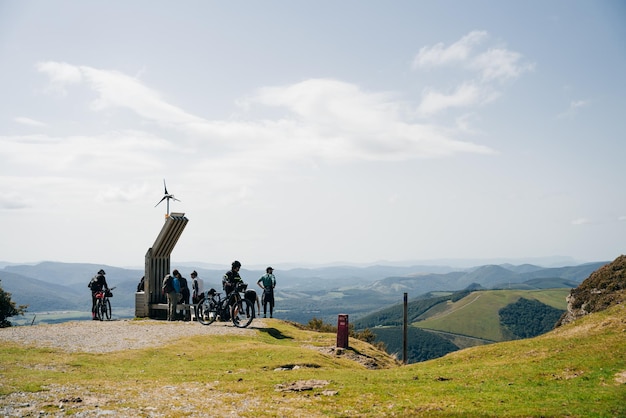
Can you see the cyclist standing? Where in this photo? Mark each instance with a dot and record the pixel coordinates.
(184, 295)
(171, 288)
(197, 285)
(231, 279)
(97, 284)
(267, 282)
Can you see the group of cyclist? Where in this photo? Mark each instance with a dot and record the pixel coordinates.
(176, 288)
(267, 282)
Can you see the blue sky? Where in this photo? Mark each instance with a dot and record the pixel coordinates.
(313, 132)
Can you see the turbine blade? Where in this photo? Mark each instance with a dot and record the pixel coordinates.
(165, 197)
(165, 186)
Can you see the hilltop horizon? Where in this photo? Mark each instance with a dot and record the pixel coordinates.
(545, 261)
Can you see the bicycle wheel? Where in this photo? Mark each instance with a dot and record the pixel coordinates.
(242, 313)
(206, 311)
(99, 313)
(107, 309)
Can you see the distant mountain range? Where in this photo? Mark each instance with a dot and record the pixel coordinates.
(301, 293)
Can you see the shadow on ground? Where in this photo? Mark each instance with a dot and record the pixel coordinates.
(273, 332)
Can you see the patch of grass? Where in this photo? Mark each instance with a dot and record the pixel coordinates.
(568, 372)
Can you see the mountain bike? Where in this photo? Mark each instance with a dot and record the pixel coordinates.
(103, 304)
(234, 307)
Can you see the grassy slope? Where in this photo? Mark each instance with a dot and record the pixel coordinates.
(476, 315)
(577, 370)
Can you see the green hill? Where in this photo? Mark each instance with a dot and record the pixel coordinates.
(577, 370)
(466, 319)
(477, 314)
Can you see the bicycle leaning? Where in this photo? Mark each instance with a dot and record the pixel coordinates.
(234, 307)
(103, 304)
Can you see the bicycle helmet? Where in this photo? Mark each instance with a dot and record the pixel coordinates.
(236, 264)
(101, 272)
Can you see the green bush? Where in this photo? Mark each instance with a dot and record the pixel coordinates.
(8, 308)
(528, 318)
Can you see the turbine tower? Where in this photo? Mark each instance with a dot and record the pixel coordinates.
(167, 198)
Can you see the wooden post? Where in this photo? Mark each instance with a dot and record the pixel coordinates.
(405, 329)
(342, 331)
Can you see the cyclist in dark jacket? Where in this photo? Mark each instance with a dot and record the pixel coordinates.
(184, 295)
(97, 284)
(231, 279)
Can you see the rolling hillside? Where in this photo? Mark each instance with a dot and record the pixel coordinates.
(578, 370)
(476, 315)
(301, 295)
(463, 319)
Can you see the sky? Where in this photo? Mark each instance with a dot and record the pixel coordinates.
(313, 132)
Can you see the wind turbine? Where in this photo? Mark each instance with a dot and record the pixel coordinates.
(167, 198)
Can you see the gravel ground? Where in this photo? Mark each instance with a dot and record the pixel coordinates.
(78, 336)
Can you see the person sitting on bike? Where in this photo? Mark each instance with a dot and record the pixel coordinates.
(231, 279)
(97, 284)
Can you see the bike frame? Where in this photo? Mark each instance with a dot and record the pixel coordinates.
(103, 305)
(240, 311)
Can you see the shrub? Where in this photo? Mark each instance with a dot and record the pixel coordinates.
(8, 309)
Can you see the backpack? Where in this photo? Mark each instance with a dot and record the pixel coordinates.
(167, 284)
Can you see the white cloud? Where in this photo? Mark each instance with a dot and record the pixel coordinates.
(118, 194)
(581, 221)
(499, 64)
(495, 63)
(486, 67)
(119, 90)
(465, 122)
(322, 120)
(80, 155)
(339, 120)
(573, 108)
(116, 89)
(622, 218)
(28, 121)
(61, 74)
(465, 95)
(327, 119)
(439, 54)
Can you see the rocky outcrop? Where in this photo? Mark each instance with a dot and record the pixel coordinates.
(604, 288)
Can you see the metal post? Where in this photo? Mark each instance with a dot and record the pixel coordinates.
(405, 329)
(342, 331)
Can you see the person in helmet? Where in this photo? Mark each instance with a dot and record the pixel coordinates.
(97, 284)
(231, 278)
(267, 282)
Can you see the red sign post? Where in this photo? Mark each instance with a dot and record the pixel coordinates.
(342, 331)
